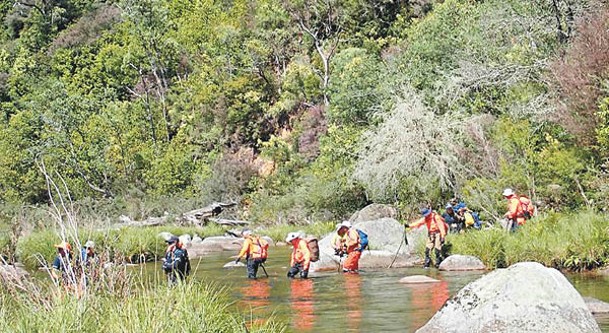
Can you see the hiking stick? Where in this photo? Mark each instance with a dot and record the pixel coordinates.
(398, 251)
(405, 240)
(264, 269)
(340, 262)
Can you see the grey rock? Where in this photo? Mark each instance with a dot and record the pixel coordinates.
(215, 244)
(374, 212)
(458, 262)
(524, 298)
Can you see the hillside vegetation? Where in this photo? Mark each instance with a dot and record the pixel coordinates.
(301, 110)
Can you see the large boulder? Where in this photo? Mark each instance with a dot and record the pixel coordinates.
(458, 262)
(386, 237)
(525, 298)
(374, 212)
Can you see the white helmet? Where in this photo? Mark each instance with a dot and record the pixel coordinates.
(345, 224)
(89, 244)
(507, 192)
(292, 236)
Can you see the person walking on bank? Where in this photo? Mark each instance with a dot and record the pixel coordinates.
(176, 262)
(454, 220)
(255, 251)
(87, 254)
(436, 233)
(63, 271)
(350, 244)
(301, 256)
(520, 208)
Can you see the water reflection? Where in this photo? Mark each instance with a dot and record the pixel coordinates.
(256, 294)
(301, 302)
(373, 301)
(427, 298)
(353, 285)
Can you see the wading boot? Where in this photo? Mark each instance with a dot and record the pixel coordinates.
(427, 259)
(438, 258)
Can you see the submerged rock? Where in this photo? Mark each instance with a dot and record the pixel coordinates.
(232, 264)
(415, 279)
(524, 298)
(596, 306)
(458, 262)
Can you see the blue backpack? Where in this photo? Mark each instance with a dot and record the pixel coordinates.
(363, 240)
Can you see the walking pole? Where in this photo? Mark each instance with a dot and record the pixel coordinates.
(340, 262)
(264, 269)
(405, 240)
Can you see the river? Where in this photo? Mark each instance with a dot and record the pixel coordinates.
(372, 301)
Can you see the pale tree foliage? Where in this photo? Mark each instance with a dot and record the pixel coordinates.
(412, 142)
(475, 75)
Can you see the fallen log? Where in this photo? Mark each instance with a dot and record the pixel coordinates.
(128, 222)
(229, 222)
(199, 216)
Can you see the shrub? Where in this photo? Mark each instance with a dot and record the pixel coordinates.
(579, 74)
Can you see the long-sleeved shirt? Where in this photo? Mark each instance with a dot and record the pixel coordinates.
(434, 222)
(253, 248)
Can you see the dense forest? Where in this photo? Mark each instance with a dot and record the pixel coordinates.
(305, 110)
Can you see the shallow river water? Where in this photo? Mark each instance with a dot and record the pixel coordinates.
(372, 301)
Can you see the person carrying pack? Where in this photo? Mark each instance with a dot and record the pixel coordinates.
(520, 209)
(436, 233)
(255, 250)
(301, 256)
(350, 244)
(176, 263)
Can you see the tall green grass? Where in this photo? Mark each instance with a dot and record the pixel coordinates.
(126, 242)
(575, 242)
(189, 307)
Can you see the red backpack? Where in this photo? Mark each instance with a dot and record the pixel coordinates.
(528, 209)
(261, 248)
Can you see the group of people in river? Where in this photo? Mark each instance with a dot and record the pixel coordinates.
(347, 241)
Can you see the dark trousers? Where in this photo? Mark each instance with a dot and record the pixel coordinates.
(296, 269)
(175, 276)
(252, 267)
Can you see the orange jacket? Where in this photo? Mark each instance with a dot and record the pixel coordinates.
(301, 254)
(514, 208)
(434, 222)
(253, 248)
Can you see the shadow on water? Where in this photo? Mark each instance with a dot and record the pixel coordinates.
(373, 301)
